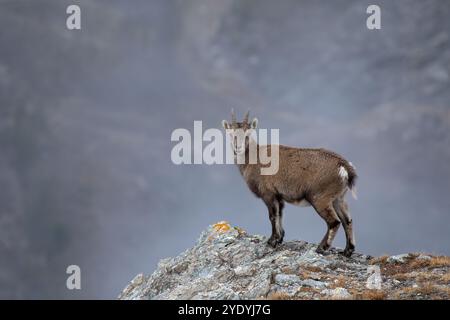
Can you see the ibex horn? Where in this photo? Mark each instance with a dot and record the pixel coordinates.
(246, 117)
(233, 116)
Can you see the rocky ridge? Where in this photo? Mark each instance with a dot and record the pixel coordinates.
(228, 263)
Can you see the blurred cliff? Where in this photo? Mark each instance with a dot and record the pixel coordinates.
(86, 118)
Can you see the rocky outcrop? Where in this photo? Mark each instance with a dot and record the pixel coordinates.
(228, 263)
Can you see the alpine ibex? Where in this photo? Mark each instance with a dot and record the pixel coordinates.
(306, 177)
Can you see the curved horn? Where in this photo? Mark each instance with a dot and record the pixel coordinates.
(246, 117)
(233, 116)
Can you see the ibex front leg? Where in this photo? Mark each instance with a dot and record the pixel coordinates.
(275, 208)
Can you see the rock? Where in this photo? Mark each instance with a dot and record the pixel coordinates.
(228, 263)
(423, 257)
(138, 279)
(287, 279)
(242, 271)
(401, 258)
(313, 283)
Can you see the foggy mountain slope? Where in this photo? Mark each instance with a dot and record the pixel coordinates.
(86, 119)
(381, 68)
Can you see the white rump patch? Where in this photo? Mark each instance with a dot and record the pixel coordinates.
(302, 203)
(343, 173)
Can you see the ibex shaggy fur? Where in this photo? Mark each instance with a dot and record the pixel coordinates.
(305, 177)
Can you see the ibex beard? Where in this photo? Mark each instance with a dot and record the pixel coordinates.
(308, 177)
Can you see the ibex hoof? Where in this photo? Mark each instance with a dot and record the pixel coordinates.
(274, 242)
(321, 250)
(348, 252)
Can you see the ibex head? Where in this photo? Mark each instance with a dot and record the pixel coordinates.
(240, 132)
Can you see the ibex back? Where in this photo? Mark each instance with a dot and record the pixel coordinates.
(306, 177)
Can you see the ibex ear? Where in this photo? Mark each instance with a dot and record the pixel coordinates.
(225, 124)
(254, 123)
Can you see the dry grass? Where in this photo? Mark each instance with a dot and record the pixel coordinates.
(437, 278)
(430, 285)
(278, 296)
(379, 260)
(430, 277)
(412, 263)
(439, 261)
(419, 276)
(402, 276)
(427, 291)
(408, 266)
(394, 269)
(434, 262)
(311, 292)
(424, 290)
(369, 294)
(419, 263)
(306, 271)
(308, 289)
(446, 277)
(339, 282)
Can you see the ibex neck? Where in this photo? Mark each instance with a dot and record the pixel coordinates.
(243, 166)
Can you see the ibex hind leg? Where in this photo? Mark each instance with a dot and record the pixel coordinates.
(330, 216)
(341, 208)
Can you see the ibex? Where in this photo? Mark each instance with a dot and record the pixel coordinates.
(306, 177)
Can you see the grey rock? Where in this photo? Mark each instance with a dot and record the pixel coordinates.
(313, 283)
(287, 279)
(423, 257)
(401, 258)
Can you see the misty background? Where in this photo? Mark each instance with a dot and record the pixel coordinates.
(86, 118)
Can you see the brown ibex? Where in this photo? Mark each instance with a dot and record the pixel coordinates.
(305, 177)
